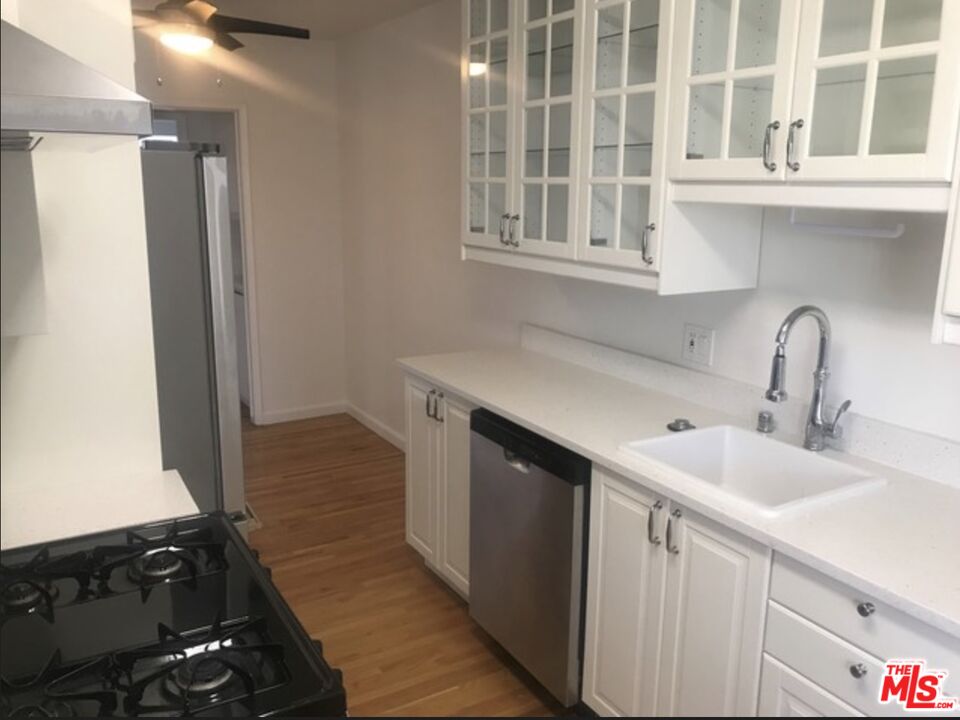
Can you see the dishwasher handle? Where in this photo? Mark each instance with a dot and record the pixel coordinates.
(516, 462)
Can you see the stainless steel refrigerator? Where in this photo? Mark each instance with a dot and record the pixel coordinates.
(191, 287)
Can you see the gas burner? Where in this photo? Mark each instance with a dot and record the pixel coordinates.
(186, 674)
(155, 565)
(203, 674)
(178, 555)
(36, 585)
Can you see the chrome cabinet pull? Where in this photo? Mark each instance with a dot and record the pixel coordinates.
(428, 399)
(792, 145)
(514, 219)
(436, 407)
(671, 548)
(653, 539)
(645, 243)
(858, 670)
(866, 609)
(503, 228)
(768, 145)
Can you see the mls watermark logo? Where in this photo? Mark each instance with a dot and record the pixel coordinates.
(910, 684)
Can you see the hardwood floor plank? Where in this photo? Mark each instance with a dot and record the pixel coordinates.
(330, 495)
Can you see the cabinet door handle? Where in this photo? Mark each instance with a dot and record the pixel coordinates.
(503, 228)
(429, 398)
(513, 231)
(671, 548)
(645, 243)
(436, 407)
(653, 539)
(768, 145)
(792, 162)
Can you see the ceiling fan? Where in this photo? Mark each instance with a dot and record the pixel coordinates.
(192, 26)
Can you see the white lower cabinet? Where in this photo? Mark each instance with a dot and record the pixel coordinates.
(438, 481)
(675, 608)
(785, 693)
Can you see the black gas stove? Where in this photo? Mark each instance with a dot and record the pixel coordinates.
(170, 619)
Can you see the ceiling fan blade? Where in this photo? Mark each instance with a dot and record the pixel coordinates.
(227, 42)
(227, 24)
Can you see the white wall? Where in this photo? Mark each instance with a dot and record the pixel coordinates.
(80, 401)
(407, 292)
(285, 93)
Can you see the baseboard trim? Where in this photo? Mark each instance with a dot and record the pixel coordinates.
(304, 413)
(371, 423)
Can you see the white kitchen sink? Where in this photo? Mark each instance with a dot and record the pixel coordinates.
(768, 475)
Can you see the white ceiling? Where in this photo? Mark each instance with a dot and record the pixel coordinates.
(326, 19)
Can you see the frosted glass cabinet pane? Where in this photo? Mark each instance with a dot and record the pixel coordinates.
(704, 133)
(536, 63)
(478, 75)
(710, 36)
(536, 9)
(757, 30)
(750, 114)
(534, 143)
(533, 212)
(478, 202)
(606, 136)
(497, 70)
(911, 21)
(638, 137)
(901, 113)
(499, 15)
(561, 59)
(498, 144)
(846, 26)
(837, 110)
(609, 46)
(497, 205)
(478, 145)
(602, 214)
(558, 197)
(559, 161)
(478, 18)
(644, 35)
(634, 216)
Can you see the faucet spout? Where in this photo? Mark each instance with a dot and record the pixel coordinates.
(816, 429)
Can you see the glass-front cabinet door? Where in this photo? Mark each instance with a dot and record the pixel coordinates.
(549, 88)
(623, 131)
(731, 94)
(878, 90)
(488, 117)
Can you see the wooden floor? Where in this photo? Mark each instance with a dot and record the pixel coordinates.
(330, 496)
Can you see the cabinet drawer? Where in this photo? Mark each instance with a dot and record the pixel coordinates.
(825, 659)
(885, 632)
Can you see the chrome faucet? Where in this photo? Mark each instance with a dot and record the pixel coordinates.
(817, 429)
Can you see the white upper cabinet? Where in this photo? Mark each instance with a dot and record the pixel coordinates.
(732, 89)
(625, 124)
(817, 90)
(488, 117)
(549, 88)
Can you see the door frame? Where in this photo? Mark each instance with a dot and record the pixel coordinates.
(241, 133)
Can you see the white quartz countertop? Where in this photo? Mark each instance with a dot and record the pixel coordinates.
(899, 543)
(43, 511)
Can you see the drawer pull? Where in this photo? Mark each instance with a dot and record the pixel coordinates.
(858, 670)
(866, 609)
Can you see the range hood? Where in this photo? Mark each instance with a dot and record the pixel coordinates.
(45, 90)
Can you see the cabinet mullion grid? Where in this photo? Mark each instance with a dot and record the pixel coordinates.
(623, 91)
(871, 58)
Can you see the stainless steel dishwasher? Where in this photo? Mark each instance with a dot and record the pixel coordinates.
(528, 516)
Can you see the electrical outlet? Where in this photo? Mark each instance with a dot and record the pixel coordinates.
(698, 345)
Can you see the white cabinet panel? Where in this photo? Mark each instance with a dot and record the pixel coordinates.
(784, 693)
(623, 602)
(454, 494)
(713, 619)
(421, 471)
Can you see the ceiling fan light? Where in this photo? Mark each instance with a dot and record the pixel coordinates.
(186, 38)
